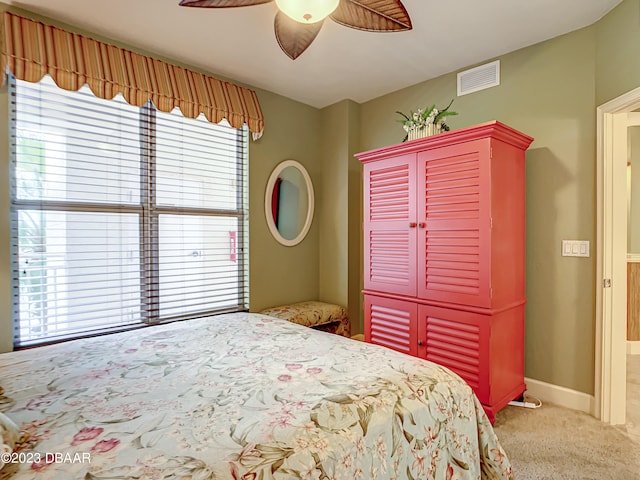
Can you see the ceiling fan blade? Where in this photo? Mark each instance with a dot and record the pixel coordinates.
(221, 3)
(294, 37)
(373, 15)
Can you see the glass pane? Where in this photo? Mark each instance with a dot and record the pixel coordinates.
(79, 272)
(196, 163)
(72, 146)
(199, 268)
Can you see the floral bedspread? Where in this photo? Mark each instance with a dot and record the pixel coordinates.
(241, 396)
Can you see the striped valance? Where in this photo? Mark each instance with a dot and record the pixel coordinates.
(33, 49)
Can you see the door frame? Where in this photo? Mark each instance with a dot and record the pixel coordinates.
(611, 240)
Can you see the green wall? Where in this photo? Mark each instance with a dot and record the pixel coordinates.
(356, 237)
(280, 274)
(333, 194)
(339, 215)
(618, 51)
(633, 191)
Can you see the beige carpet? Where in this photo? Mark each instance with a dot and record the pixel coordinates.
(633, 396)
(555, 443)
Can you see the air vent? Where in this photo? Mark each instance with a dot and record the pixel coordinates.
(479, 78)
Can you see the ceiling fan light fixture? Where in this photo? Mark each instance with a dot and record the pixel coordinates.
(307, 11)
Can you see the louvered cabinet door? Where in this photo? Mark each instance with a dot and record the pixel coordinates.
(458, 340)
(391, 323)
(390, 225)
(454, 202)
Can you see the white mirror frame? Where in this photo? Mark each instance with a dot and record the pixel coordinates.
(267, 203)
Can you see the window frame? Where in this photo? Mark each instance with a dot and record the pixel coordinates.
(149, 213)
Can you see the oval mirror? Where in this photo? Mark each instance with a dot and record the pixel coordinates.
(289, 203)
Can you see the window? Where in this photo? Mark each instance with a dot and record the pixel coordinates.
(121, 216)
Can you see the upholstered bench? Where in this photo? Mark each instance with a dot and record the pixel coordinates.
(318, 315)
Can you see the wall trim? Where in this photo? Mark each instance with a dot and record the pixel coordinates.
(633, 347)
(561, 396)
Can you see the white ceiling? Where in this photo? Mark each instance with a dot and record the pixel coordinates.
(342, 63)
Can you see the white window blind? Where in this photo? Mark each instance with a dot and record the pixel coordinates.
(121, 216)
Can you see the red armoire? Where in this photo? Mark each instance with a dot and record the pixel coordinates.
(444, 254)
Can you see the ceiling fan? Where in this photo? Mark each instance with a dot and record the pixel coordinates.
(298, 22)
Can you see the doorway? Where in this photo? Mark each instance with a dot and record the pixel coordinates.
(611, 264)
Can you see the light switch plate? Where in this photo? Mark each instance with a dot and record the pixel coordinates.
(575, 248)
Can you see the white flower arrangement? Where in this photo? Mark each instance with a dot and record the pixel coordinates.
(424, 117)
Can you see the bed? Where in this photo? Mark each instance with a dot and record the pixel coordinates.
(240, 396)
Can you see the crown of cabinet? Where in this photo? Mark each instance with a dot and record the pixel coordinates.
(493, 129)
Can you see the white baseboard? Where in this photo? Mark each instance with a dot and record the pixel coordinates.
(562, 396)
(633, 348)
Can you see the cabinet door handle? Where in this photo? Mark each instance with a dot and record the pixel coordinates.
(422, 224)
(420, 342)
(412, 224)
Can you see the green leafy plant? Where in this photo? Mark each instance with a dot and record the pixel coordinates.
(423, 117)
